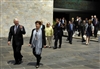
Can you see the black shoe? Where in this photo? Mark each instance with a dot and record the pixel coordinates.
(70, 42)
(16, 63)
(20, 62)
(54, 48)
(59, 46)
(83, 40)
(66, 39)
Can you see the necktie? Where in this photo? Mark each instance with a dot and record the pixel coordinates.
(15, 29)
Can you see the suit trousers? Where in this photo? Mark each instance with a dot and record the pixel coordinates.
(70, 36)
(58, 37)
(17, 52)
(82, 33)
(95, 32)
(38, 56)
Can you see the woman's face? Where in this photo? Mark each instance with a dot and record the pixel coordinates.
(47, 25)
(89, 22)
(37, 25)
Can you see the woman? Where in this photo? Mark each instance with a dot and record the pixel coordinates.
(37, 41)
(89, 30)
(49, 34)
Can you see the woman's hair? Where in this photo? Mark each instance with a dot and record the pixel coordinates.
(90, 21)
(47, 24)
(39, 22)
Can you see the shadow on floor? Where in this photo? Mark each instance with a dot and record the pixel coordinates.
(33, 64)
(11, 61)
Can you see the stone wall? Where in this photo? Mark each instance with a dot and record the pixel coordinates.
(27, 11)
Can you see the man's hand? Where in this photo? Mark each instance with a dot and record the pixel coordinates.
(9, 42)
(21, 26)
(92, 32)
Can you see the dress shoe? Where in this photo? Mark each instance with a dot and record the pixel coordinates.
(16, 63)
(20, 62)
(54, 48)
(83, 40)
(37, 66)
(70, 42)
(59, 46)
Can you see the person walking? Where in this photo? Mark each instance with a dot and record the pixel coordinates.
(70, 31)
(82, 27)
(16, 34)
(58, 33)
(89, 30)
(37, 41)
(49, 34)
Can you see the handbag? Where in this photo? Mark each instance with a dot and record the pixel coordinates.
(84, 36)
(76, 32)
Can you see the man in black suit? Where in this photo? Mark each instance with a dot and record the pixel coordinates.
(42, 25)
(16, 31)
(79, 27)
(82, 28)
(58, 33)
(70, 31)
(96, 26)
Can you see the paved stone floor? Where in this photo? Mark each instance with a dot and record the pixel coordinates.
(75, 56)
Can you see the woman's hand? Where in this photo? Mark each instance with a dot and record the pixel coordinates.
(85, 32)
(29, 44)
(92, 32)
(9, 42)
(44, 46)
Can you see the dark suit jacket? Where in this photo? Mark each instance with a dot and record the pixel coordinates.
(56, 29)
(18, 37)
(96, 27)
(69, 29)
(43, 37)
(43, 26)
(82, 27)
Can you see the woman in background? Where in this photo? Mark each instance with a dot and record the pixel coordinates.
(89, 30)
(49, 34)
(37, 41)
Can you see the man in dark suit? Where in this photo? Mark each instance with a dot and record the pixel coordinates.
(58, 33)
(96, 26)
(79, 27)
(16, 31)
(42, 26)
(70, 31)
(82, 28)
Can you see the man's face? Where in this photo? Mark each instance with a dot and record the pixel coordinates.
(94, 16)
(16, 22)
(91, 16)
(69, 22)
(37, 25)
(84, 21)
(57, 20)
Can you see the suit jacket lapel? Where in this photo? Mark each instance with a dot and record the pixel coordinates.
(13, 29)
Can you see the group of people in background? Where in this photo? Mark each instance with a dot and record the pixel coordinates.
(88, 27)
(41, 36)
